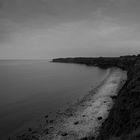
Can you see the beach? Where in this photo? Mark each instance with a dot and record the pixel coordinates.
(31, 89)
(83, 119)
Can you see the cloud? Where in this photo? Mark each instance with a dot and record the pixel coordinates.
(39, 28)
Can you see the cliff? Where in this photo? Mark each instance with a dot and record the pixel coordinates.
(123, 122)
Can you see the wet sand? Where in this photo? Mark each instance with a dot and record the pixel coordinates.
(84, 118)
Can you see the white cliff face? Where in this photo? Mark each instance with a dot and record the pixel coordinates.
(85, 118)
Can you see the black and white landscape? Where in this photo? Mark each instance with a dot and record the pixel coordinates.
(69, 69)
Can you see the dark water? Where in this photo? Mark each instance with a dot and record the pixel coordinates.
(32, 88)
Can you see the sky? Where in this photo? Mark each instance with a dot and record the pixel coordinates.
(38, 29)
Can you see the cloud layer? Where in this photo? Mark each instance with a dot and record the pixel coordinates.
(59, 28)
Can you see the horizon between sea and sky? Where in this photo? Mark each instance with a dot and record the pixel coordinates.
(40, 29)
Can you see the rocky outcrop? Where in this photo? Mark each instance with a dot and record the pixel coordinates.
(123, 122)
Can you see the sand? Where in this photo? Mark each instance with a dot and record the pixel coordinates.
(85, 118)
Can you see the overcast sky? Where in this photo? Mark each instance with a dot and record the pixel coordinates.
(61, 28)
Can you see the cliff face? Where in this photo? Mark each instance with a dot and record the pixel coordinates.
(123, 122)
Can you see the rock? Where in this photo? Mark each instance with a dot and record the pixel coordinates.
(77, 122)
(64, 134)
(29, 129)
(46, 131)
(100, 118)
(46, 116)
(51, 121)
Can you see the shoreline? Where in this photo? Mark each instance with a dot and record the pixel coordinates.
(84, 119)
(123, 121)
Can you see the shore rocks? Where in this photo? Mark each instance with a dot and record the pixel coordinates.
(64, 134)
(29, 129)
(77, 122)
(46, 116)
(100, 118)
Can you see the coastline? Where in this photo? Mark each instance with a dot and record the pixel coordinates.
(86, 117)
(123, 121)
(83, 119)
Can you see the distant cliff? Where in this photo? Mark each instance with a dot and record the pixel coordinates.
(123, 122)
(123, 62)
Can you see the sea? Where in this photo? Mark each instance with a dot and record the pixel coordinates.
(30, 89)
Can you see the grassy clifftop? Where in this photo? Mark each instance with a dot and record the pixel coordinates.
(123, 122)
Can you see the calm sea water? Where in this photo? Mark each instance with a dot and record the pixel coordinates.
(32, 88)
